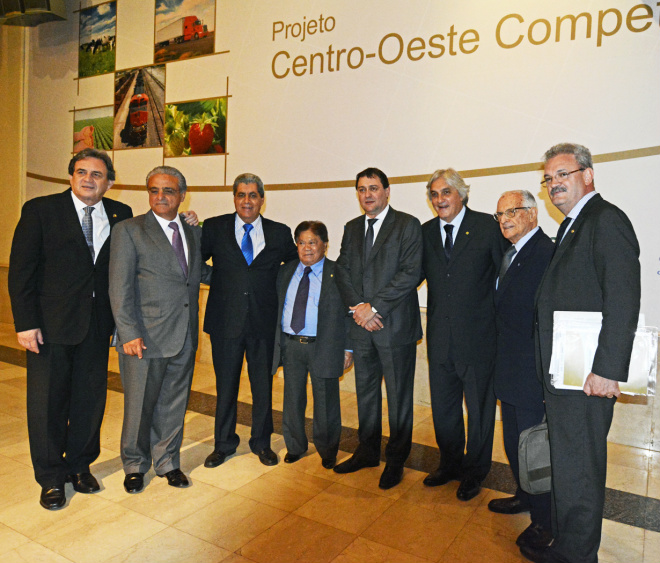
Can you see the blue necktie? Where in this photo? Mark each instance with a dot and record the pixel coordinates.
(246, 244)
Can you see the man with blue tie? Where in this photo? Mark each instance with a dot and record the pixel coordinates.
(311, 337)
(241, 313)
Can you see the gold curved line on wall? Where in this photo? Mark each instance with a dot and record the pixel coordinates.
(415, 179)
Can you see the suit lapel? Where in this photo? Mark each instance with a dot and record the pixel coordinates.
(154, 231)
(463, 236)
(383, 233)
(192, 244)
(268, 236)
(71, 223)
(517, 263)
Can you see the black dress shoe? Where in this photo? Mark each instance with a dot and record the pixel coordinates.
(391, 477)
(134, 482)
(291, 458)
(83, 482)
(217, 458)
(52, 498)
(536, 536)
(508, 505)
(353, 464)
(468, 489)
(329, 463)
(541, 554)
(176, 478)
(267, 457)
(440, 477)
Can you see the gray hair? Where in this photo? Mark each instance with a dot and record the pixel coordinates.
(170, 171)
(453, 180)
(581, 153)
(526, 196)
(248, 178)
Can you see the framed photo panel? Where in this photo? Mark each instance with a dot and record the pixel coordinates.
(97, 42)
(184, 29)
(92, 128)
(194, 128)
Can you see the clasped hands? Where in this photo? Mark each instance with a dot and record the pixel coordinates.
(366, 318)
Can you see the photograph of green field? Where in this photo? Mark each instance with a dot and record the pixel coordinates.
(96, 54)
(92, 128)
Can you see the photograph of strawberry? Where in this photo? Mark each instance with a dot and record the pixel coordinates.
(194, 128)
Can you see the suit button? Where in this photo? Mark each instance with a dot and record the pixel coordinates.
(185, 305)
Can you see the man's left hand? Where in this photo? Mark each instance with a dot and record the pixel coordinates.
(348, 359)
(598, 386)
(190, 218)
(362, 313)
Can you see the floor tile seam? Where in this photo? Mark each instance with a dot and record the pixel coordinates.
(313, 521)
(357, 533)
(56, 552)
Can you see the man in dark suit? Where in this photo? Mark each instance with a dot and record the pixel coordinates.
(594, 268)
(462, 254)
(241, 313)
(155, 271)
(311, 337)
(378, 270)
(58, 284)
(516, 385)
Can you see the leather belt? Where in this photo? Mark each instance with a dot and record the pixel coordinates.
(301, 339)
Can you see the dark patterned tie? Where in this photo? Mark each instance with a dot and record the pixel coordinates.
(369, 239)
(300, 303)
(88, 229)
(560, 233)
(449, 241)
(506, 261)
(246, 244)
(177, 244)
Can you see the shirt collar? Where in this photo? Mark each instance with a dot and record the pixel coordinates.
(380, 216)
(80, 205)
(456, 222)
(317, 269)
(165, 223)
(239, 222)
(524, 240)
(573, 213)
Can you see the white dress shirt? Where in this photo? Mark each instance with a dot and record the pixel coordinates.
(165, 225)
(100, 222)
(256, 234)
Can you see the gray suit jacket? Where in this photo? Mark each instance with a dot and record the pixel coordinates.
(596, 268)
(150, 296)
(333, 322)
(389, 278)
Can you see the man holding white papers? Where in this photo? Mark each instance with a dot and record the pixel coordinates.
(595, 267)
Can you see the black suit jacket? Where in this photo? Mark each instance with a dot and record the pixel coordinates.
(51, 273)
(389, 278)
(515, 365)
(332, 327)
(596, 268)
(461, 300)
(241, 296)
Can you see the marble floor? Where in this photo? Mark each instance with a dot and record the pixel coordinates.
(243, 511)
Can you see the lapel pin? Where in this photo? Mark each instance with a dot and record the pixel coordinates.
(467, 232)
(572, 231)
(114, 215)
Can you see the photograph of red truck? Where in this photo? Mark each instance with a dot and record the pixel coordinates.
(182, 35)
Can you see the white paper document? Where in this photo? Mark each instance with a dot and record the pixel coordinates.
(574, 343)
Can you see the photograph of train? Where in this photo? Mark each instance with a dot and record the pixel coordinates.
(139, 107)
(98, 26)
(184, 29)
(92, 128)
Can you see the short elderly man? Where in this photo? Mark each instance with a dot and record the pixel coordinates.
(155, 271)
(595, 268)
(311, 337)
(516, 385)
(462, 254)
(378, 270)
(241, 313)
(58, 285)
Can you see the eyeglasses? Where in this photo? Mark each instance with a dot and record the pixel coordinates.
(558, 177)
(509, 213)
(166, 191)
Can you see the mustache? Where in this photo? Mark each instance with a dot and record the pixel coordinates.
(557, 190)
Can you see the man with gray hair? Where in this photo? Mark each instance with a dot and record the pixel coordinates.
(516, 385)
(461, 259)
(595, 267)
(241, 313)
(155, 271)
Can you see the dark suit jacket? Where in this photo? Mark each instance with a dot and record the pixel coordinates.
(388, 280)
(596, 268)
(515, 364)
(51, 273)
(461, 300)
(243, 296)
(151, 297)
(332, 327)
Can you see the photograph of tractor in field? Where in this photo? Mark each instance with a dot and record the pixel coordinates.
(97, 42)
(184, 29)
(139, 107)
